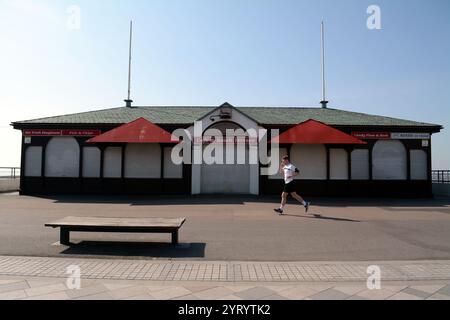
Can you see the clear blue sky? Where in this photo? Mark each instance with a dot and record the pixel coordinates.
(246, 52)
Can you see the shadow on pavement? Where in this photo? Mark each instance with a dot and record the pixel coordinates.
(137, 249)
(156, 200)
(319, 216)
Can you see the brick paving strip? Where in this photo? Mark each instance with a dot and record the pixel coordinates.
(210, 271)
(39, 278)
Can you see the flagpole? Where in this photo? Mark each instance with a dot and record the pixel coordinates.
(324, 102)
(129, 101)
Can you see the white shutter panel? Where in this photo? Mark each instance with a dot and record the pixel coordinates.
(91, 162)
(143, 161)
(112, 162)
(311, 160)
(360, 164)
(171, 170)
(62, 158)
(389, 160)
(33, 162)
(419, 165)
(338, 164)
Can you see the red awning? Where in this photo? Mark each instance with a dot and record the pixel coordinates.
(138, 131)
(315, 132)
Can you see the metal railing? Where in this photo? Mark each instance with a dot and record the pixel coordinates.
(9, 172)
(440, 176)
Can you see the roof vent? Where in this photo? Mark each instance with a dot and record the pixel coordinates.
(225, 111)
(324, 104)
(128, 103)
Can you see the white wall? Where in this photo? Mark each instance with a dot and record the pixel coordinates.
(360, 164)
(338, 164)
(62, 157)
(389, 160)
(419, 165)
(311, 160)
(91, 162)
(171, 170)
(33, 162)
(143, 160)
(112, 162)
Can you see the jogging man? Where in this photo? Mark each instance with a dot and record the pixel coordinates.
(290, 172)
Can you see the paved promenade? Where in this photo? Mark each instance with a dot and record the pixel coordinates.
(45, 278)
(241, 228)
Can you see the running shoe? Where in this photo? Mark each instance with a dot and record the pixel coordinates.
(279, 211)
(307, 206)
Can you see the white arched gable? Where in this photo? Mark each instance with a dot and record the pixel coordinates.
(210, 120)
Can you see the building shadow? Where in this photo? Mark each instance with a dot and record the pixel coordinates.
(321, 217)
(136, 249)
(157, 200)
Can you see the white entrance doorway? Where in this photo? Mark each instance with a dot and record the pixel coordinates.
(226, 178)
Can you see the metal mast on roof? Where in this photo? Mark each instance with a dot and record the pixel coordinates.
(324, 101)
(129, 101)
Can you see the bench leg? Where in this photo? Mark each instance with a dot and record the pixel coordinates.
(64, 236)
(175, 237)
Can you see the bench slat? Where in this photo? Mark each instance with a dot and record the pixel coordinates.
(117, 222)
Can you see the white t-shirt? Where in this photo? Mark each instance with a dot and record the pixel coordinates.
(289, 171)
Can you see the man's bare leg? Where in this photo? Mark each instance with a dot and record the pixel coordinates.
(284, 196)
(301, 200)
(297, 197)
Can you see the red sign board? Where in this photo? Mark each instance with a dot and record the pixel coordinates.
(58, 132)
(372, 135)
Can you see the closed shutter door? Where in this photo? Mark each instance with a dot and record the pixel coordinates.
(226, 178)
(311, 160)
(143, 161)
(171, 170)
(338, 164)
(112, 167)
(389, 160)
(360, 164)
(419, 165)
(91, 162)
(62, 158)
(33, 162)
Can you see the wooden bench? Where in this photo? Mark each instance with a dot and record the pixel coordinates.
(125, 225)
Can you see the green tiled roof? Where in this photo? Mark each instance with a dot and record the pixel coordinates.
(263, 115)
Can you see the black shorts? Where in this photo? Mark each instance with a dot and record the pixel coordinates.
(289, 187)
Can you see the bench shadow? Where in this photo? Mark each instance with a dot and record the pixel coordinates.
(136, 249)
(321, 217)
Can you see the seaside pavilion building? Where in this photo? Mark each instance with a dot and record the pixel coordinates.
(127, 150)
